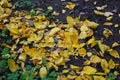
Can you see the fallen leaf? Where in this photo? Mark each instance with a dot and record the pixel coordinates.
(91, 42)
(107, 33)
(99, 13)
(82, 52)
(70, 21)
(114, 53)
(104, 65)
(89, 70)
(12, 65)
(91, 24)
(22, 56)
(95, 59)
(111, 64)
(103, 47)
(43, 72)
(115, 44)
(99, 78)
(54, 31)
(70, 6)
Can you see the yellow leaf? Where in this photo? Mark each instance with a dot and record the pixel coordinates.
(65, 71)
(22, 56)
(95, 59)
(33, 37)
(71, 77)
(91, 42)
(30, 51)
(91, 24)
(39, 25)
(70, 21)
(62, 77)
(107, 33)
(103, 47)
(13, 28)
(85, 32)
(82, 52)
(74, 37)
(104, 65)
(43, 72)
(59, 61)
(115, 44)
(114, 53)
(98, 13)
(54, 31)
(83, 35)
(12, 65)
(70, 6)
(98, 78)
(5, 3)
(74, 67)
(89, 70)
(111, 64)
(1, 10)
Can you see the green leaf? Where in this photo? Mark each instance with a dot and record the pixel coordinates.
(9, 41)
(111, 76)
(3, 64)
(23, 77)
(44, 61)
(48, 78)
(13, 76)
(53, 74)
(4, 33)
(5, 50)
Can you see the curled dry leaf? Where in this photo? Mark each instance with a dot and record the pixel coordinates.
(115, 44)
(107, 33)
(99, 13)
(91, 24)
(70, 6)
